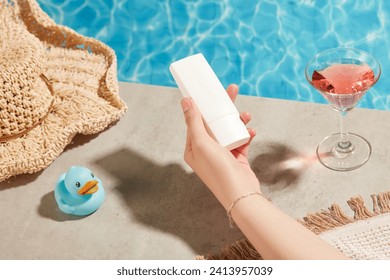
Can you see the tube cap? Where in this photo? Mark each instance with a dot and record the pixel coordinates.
(230, 131)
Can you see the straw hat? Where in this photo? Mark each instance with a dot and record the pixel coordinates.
(54, 83)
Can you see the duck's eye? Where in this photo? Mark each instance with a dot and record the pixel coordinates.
(78, 184)
(93, 176)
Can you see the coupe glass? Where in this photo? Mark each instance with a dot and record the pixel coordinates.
(343, 76)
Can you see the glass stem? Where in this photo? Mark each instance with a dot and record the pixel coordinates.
(344, 145)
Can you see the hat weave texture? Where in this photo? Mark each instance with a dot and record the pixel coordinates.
(54, 84)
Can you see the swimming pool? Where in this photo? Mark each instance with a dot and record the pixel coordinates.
(261, 45)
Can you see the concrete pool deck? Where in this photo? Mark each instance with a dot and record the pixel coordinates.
(156, 207)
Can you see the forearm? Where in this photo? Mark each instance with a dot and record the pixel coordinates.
(275, 235)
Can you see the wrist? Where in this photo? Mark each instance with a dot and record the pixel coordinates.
(238, 200)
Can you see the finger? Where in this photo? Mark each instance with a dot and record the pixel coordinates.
(188, 149)
(232, 91)
(193, 118)
(252, 134)
(245, 117)
(244, 149)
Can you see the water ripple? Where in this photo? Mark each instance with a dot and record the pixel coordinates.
(261, 45)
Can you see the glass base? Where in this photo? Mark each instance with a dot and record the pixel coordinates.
(340, 156)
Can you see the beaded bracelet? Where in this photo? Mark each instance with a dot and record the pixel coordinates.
(228, 212)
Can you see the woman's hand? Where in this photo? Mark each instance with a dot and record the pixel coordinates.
(226, 173)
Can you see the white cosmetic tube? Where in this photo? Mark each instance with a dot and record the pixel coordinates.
(196, 79)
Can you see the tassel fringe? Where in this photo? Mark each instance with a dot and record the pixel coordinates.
(240, 250)
(320, 222)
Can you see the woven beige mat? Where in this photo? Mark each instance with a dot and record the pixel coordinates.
(366, 235)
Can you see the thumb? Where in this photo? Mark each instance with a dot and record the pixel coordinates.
(193, 118)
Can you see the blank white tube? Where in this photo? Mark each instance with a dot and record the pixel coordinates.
(196, 79)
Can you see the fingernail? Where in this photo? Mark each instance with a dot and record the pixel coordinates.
(185, 104)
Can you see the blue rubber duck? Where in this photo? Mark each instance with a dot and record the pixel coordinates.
(79, 192)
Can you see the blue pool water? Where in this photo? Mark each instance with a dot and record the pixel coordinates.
(262, 45)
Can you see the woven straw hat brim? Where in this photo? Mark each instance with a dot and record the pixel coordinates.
(82, 72)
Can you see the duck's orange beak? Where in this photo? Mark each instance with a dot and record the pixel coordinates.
(89, 188)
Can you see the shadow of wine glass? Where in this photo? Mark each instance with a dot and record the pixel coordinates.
(279, 166)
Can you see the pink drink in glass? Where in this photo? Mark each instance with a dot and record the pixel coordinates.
(343, 84)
